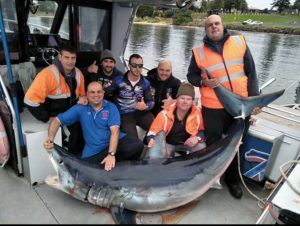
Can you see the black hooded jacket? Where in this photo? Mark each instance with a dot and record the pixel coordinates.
(106, 81)
(162, 89)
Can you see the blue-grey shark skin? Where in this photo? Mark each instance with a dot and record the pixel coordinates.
(241, 107)
(153, 185)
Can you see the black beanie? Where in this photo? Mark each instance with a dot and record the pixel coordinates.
(107, 54)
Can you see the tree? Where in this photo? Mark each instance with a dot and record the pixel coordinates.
(244, 5)
(216, 4)
(145, 11)
(297, 6)
(228, 5)
(235, 4)
(204, 6)
(47, 7)
(182, 17)
(281, 4)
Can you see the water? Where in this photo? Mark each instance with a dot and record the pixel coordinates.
(275, 55)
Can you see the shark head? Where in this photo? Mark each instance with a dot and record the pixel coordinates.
(65, 179)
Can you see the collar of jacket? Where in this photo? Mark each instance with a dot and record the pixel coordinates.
(57, 63)
(153, 75)
(170, 111)
(216, 46)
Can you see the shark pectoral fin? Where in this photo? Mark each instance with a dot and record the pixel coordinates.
(159, 149)
(217, 184)
(123, 216)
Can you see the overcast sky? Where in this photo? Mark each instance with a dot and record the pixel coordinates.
(262, 4)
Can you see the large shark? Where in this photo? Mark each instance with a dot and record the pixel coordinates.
(154, 185)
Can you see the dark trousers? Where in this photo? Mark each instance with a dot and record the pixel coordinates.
(217, 122)
(129, 122)
(129, 147)
(74, 141)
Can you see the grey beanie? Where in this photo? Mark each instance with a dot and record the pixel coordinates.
(107, 54)
(186, 89)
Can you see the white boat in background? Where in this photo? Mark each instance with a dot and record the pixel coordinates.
(252, 22)
(33, 45)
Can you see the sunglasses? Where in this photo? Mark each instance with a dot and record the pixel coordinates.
(136, 65)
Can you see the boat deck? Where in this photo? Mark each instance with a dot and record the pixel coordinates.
(22, 203)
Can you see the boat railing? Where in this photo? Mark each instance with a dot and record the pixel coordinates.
(267, 83)
(293, 106)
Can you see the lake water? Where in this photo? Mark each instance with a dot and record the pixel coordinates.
(275, 55)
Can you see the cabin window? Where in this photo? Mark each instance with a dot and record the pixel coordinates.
(64, 28)
(11, 30)
(94, 29)
(41, 21)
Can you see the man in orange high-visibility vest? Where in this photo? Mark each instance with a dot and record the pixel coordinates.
(228, 60)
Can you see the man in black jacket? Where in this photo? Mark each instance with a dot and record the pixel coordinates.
(104, 72)
(165, 85)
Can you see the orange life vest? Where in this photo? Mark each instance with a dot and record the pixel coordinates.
(231, 64)
(165, 119)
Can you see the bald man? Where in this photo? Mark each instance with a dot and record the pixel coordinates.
(100, 122)
(228, 60)
(164, 84)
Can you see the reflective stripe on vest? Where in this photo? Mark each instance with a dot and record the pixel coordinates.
(56, 73)
(231, 62)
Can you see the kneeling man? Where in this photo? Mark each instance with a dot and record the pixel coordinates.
(178, 128)
(100, 121)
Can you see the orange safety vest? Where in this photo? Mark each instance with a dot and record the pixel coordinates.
(50, 83)
(165, 119)
(219, 66)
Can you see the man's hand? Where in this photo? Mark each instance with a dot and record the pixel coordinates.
(167, 102)
(191, 142)
(141, 105)
(151, 143)
(48, 145)
(93, 68)
(82, 100)
(109, 162)
(211, 83)
(256, 111)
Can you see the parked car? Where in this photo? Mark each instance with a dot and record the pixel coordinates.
(252, 22)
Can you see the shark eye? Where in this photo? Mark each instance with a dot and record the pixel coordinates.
(60, 162)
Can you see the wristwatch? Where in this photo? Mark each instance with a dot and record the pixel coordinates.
(200, 140)
(112, 153)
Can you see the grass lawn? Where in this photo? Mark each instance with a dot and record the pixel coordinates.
(275, 23)
(267, 19)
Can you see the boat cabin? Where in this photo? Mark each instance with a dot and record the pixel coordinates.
(34, 30)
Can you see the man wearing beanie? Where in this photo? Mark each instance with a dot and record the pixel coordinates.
(180, 126)
(105, 71)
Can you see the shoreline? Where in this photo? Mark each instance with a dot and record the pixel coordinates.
(251, 28)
